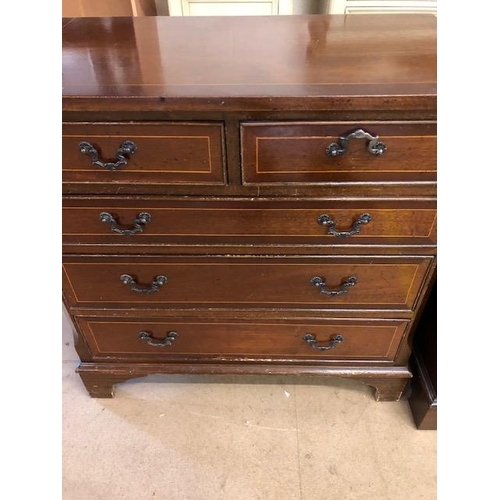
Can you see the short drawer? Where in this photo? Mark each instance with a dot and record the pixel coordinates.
(165, 153)
(156, 339)
(265, 282)
(116, 222)
(301, 152)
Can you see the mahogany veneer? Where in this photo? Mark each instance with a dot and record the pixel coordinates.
(166, 153)
(295, 152)
(210, 224)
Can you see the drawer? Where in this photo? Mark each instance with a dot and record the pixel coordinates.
(264, 282)
(166, 153)
(296, 152)
(156, 339)
(116, 222)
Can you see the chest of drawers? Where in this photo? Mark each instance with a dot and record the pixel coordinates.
(248, 195)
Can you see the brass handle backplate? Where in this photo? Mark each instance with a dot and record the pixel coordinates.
(167, 341)
(127, 149)
(326, 220)
(311, 340)
(142, 219)
(343, 288)
(373, 145)
(158, 282)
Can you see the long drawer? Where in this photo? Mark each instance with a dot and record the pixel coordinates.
(326, 152)
(279, 282)
(145, 153)
(156, 339)
(124, 222)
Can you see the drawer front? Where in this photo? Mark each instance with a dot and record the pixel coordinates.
(117, 222)
(294, 152)
(157, 339)
(367, 283)
(167, 153)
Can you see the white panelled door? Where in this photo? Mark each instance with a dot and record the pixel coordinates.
(224, 7)
(383, 7)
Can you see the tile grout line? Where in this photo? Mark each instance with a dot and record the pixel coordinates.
(297, 440)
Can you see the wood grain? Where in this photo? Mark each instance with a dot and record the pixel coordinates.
(367, 341)
(167, 153)
(237, 221)
(383, 283)
(259, 63)
(296, 152)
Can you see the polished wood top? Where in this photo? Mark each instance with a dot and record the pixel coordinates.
(250, 63)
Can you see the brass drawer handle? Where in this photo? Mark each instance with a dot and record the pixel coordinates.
(142, 218)
(127, 148)
(167, 341)
(343, 288)
(374, 146)
(311, 340)
(325, 220)
(159, 281)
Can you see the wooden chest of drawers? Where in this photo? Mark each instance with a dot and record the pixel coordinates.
(232, 210)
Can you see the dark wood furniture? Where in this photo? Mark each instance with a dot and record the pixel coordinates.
(248, 195)
(423, 394)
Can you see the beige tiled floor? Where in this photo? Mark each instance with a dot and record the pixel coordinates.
(240, 438)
